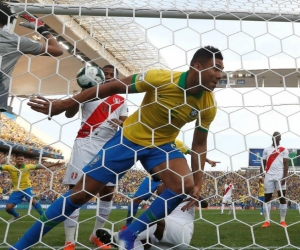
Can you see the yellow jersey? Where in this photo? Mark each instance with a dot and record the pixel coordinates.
(261, 189)
(182, 147)
(15, 174)
(242, 198)
(166, 108)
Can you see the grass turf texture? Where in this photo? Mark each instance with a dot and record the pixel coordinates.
(233, 233)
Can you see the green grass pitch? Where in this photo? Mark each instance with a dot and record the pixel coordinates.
(210, 230)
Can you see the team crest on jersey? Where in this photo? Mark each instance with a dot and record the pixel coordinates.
(95, 160)
(117, 100)
(74, 175)
(142, 76)
(194, 113)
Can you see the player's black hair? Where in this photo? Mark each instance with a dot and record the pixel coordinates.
(20, 155)
(111, 67)
(5, 13)
(204, 54)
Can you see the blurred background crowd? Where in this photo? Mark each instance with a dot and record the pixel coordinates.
(12, 132)
(48, 186)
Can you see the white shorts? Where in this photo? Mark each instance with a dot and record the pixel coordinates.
(83, 152)
(273, 182)
(177, 233)
(227, 199)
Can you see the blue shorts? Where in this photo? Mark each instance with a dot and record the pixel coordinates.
(261, 198)
(146, 189)
(119, 154)
(242, 204)
(17, 196)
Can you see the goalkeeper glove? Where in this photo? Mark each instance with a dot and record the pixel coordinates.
(34, 24)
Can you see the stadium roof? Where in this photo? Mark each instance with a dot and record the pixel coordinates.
(116, 40)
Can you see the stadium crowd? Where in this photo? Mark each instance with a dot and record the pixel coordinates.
(48, 185)
(13, 132)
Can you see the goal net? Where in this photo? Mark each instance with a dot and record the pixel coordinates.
(257, 95)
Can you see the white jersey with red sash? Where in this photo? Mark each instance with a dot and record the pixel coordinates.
(274, 159)
(228, 190)
(95, 115)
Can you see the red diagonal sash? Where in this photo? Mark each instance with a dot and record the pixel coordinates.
(100, 114)
(273, 157)
(228, 188)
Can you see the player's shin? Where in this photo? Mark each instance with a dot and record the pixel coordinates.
(55, 214)
(156, 211)
(103, 214)
(70, 225)
(129, 219)
(38, 208)
(283, 209)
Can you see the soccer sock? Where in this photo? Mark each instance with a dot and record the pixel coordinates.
(13, 212)
(103, 213)
(231, 208)
(283, 209)
(52, 217)
(222, 207)
(155, 212)
(134, 212)
(267, 211)
(70, 225)
(38, 208)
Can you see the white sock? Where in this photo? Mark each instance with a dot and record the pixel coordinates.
(104, 209)
(283, 209)
(231, 208)
(222, 207)
(71, 226)
(267, 210)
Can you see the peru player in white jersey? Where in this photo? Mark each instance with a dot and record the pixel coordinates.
(173, 232)
(275, 165)
(100, 121)
(227, 196)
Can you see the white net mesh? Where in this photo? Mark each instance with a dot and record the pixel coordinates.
(257, 95)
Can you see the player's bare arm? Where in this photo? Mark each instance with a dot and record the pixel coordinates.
(212, 163)
(51, 47)
(262, 168)
(198, 159)
(285, 170)
(45, 106)
(116, 123)
(49, 165)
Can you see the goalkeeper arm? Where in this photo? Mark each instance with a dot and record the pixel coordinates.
(51, 47)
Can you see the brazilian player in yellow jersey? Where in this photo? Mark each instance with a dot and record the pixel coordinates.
(172, 99)
(20, 176)
(261, 193)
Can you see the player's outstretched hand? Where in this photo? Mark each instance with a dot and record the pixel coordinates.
(34, 23)
(195, 194)
(212, 163)
(115, 123)
(31, 22)
(49, 107)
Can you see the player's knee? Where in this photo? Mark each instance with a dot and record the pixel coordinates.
(188, 185)
(80, 198)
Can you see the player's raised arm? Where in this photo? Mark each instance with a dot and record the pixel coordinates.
(49, 165)
(56, 107)
(51, 47)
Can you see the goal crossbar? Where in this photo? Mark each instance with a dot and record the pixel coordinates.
(77, 10)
